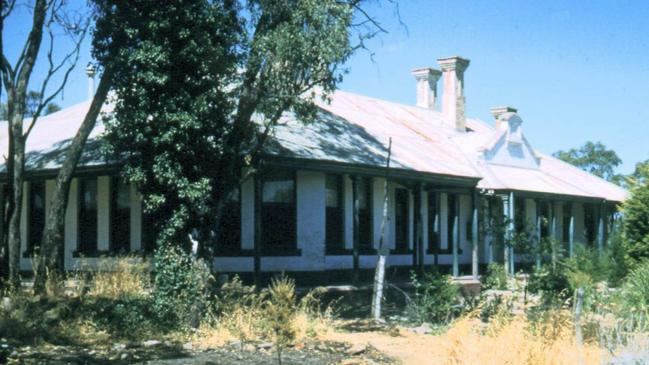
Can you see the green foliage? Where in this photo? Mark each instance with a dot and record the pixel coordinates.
(587, 267)
(551, 283)
(633, 297)
(636, 222)
(618, 256)
(199, 85)
(129, 317)
(180, 286)
(280, 310)
(496, 277)
(436, 298)
(594, 158)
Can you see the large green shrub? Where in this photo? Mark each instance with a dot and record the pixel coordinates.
(180, 286)
(636, 221)
(633, 297)
(496, 277)
(130, 317)
(436, 298)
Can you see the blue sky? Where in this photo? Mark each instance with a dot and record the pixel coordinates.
(576, 71)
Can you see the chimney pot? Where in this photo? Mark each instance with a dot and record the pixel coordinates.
(90, 72)
(498, 111)
(453, 102)
(426, 86)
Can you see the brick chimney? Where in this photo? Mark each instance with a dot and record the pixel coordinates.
(426, 86)
(453, 95)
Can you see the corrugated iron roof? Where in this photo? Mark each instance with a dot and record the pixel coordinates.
(355, 129)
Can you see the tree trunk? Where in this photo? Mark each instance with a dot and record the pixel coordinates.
(7, 209)
(52, 243)
(379, 274)
(13, 238)
(16, 94)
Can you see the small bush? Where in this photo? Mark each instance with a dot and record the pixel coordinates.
(587, 267)
(436, 299)
(551, 283)
(128, 317)
(180, 286)
(496, 277)
(280, 311)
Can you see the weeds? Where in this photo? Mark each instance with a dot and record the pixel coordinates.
(436, 299)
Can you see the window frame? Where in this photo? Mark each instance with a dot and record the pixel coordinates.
(86, 249)
(402, 247)
(270, 249)
(331, 246)
(235, 249)
(30, 248)
(114, 184)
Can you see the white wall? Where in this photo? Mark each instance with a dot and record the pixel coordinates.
(310, 204)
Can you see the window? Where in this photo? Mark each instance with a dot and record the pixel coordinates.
(401, 219)
(149, 232)
(519, 215)
(334, 232)
(120, 216)
(36, 219)
(230, 229)
(365, 214)
(452, 214)
(567, 213)
(590, 223)
(278, 212)
(544, 212)
(433, 222)
(87, 216)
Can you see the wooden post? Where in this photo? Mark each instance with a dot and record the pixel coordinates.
(539, 224)
(456, 238)
(505, 236)
(488, 237)
(571, 233)
(356, 232)
(257, 230)
(552, 226)
(419, 228)
(511, 229)
(414, 232)
(474, 235)
(601, 236)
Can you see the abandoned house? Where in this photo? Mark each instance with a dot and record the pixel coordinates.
(452, 182)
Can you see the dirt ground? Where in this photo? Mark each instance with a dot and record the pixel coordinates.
(315, 353)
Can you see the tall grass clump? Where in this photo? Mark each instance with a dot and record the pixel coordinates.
(435, 299)
(241, 312)
(120, 277)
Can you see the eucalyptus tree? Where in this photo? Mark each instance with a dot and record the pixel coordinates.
(200, 86)
(51, 19)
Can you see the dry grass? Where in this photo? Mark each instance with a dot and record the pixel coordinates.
(117, 277)
(469, 341)
(515, 341)
(243, 317)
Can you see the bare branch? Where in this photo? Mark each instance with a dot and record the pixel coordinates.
(9, 9)
(54, 68)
